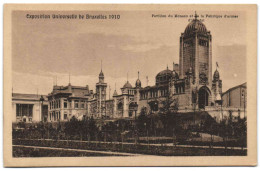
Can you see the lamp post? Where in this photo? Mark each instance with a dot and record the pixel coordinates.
(243, 95)
(117, 132)
(41, 113)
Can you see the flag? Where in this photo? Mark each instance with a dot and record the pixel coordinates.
(217, 64)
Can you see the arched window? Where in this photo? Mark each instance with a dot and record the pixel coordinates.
(120, 106)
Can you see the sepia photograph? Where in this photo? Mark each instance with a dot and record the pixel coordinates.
(128, 82)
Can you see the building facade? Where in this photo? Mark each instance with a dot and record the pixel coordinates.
(235, 97)
(190, 84)
(29, 107)
(68, 101)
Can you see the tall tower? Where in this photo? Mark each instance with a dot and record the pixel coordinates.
(101, 87)
(196, 52)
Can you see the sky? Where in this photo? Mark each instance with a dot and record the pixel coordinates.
(43, 49)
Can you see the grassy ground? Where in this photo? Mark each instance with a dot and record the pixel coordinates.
(36, 152)
(162, 150)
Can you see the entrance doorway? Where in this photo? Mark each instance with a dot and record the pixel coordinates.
(120, 109)
(203, 97)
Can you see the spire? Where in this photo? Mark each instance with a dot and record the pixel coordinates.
(69, 79)
(69, 86)
(127, 76)
(196, 16)
(138, 82)
(101, 65)
(101, 75)
(216, 75)
(115, 93)
(167, 67)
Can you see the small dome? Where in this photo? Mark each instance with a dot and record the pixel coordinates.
(115, 93)
(101, 74)
(195, 25)
(127, 85)
(138, 83)
(216, 75)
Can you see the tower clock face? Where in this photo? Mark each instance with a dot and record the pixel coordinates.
(203, 78)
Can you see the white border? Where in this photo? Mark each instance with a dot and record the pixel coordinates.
(123, 2)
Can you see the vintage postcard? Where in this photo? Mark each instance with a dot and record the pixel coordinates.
(130, 85)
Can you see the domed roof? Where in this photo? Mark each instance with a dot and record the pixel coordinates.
(195, 25)
(216, 75)
(164, 72)
(127, 85)
(138, 83)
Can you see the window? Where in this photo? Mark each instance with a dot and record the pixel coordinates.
(65, 104)
(76, 104)
(24, 110)
(82, 104)
(69, 103)
(65, 116)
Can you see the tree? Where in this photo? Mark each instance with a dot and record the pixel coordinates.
(168, 113)
(141, 120)
(41, 129)
(93, 129)
(72, 127)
